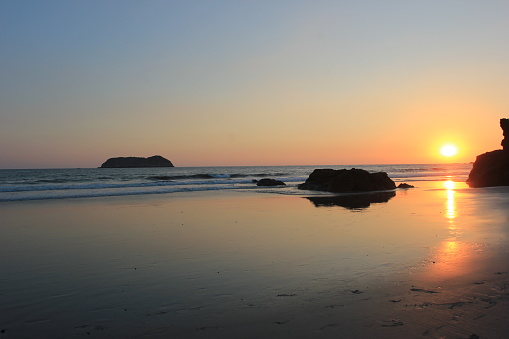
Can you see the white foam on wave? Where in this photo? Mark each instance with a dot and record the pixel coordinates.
(154, 182)
(429, 176)
(29, 188)
(224, 176)
(22, 196)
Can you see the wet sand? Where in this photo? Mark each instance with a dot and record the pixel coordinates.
(428, 262)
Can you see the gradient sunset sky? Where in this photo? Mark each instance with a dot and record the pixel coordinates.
(213, 82)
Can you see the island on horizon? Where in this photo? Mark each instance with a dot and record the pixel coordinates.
(135, 162)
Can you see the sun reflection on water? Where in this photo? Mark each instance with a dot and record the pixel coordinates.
(451, 255)
(449, 184)
(450, 210)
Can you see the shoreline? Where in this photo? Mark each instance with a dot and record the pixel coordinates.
(89, 183)
(248, 264)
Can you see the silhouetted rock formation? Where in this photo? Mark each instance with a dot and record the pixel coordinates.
(133, 162)
(269, 182)
(492, 168)
(504, 124)
(353, 180)
(353, 201)
(405, 185)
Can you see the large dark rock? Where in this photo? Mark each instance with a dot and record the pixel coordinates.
(269, 182)
(492, 168)
(353, 180)
(133, 162)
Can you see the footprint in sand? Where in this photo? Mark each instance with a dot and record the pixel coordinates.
(422, 290)
(281, 322)
(392, 323)
(206, 328)
(334, 306)
(396, 300)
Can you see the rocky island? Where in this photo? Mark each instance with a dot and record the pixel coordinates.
(492, 168)
(135, 162)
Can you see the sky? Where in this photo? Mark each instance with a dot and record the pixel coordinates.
(266, 82)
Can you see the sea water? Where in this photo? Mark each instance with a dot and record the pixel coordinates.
(35, 184)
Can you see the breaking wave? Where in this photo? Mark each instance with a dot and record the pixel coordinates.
(93, 182)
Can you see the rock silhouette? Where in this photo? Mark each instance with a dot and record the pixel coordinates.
(504, 124)
(134, 162)
(353, 180)
(405, 185)
(492, 168)
(269, 182)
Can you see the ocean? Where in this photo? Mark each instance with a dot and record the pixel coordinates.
(36, 184)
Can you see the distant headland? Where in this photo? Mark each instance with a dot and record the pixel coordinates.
(135, 162)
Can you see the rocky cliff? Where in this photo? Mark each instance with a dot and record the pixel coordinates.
(492, 168)
(133, 162)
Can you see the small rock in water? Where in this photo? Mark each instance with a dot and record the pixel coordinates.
(270, 182)
(405, 185)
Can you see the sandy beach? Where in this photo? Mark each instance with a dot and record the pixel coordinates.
(430, 262)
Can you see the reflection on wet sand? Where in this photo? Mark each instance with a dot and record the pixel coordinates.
(452, 255)
(353, 201)
(450, 204)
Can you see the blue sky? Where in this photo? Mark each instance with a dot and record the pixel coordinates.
(250, 82)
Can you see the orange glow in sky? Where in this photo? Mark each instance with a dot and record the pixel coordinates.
(205, 84)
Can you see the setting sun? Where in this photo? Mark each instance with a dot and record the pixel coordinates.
(448, 150)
